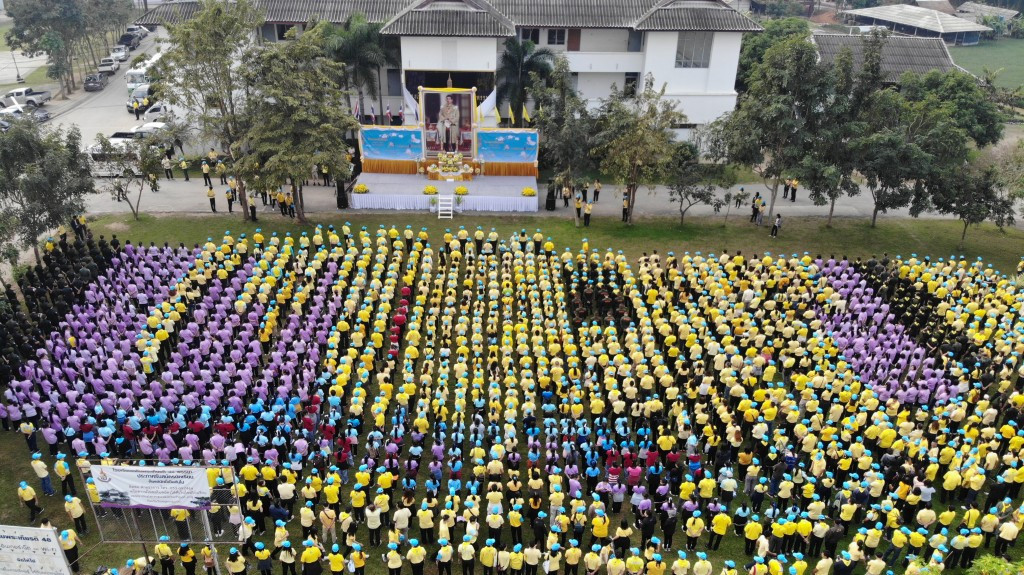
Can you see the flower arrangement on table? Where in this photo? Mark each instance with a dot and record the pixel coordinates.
(529, 192)
(449, 162)
(430, 191)
(461, 190)
(361, 188)
(433, 169)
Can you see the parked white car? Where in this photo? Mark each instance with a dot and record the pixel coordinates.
(120, 53)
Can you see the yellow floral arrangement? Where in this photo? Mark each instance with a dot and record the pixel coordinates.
(529, 192)
(430, 191)
(361, 188)
(461, 190)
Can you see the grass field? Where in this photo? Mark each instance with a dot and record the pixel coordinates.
(1004, 53)
(36, 79)
(3, 34)
(850, 237)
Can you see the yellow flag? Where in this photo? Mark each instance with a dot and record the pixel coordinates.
(511, 116)
(497, 114)
(526, 115)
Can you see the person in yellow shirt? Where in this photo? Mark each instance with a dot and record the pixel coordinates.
(488, 556)
(336, 561)
(599, 527)
(358, 557)
(188, 558)
(264, 564)
(164, 555)
(416, 556)
(694, 529)
(76, 511)
(719, 527)
(751, 531)
(656, 566)
(235, 562)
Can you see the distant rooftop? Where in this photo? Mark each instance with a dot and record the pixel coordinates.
(899, 53)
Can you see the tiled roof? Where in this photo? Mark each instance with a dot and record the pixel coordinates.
(169, 13)
(450, 18)
(709, 15)
(922, 18)
(939, 5)
(652, 15)
(336, 11)
(974, 11)
(575, 13)
(899, 53)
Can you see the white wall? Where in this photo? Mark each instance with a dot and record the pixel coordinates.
(455, 54)
(603, 39)
(595, 86)
(704, 93)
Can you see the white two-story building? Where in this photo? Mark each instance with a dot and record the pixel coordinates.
(691, 47)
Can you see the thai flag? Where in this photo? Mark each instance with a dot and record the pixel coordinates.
(388, 114)
(355, 110)
(373, 115)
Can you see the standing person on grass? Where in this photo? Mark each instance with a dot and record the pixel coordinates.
(776, 225)
(587, 210)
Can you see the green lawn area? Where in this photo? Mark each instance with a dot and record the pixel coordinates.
(1004, 53)
(3, 33)
(851, 237)
(36, 79)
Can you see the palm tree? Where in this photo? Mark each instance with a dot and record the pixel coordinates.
(364, 50)
(518, 62)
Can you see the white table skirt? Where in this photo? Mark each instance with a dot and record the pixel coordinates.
(421, 202)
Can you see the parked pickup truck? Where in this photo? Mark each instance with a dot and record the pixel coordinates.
(27, 97)
(109, 66)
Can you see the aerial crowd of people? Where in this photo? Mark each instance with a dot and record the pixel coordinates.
(385, 398)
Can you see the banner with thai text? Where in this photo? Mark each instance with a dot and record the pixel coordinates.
(152, 487)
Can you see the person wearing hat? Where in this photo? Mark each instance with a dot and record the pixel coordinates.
(235, 562)
(27, 496)
(336, 560)
(553, 559)
(63, 471)
(69, 542)
(694, 529)
(264, 561)
(532, 557)
(467, 555)
(164, 555)
(188, 558)
(39, 467)
(702, 566)
(180, 517)
(287, 556)
(445, 554)
(416, 556)
(76, 511)
(487, 556)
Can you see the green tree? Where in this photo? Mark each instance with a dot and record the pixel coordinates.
(137, 165)
(518, 66)
(363, 50)
(975, 198)
(908, 151)
(755, 45)
(51, 27)
(44, 178)
(773, 126)
(202, 72)
(296, 132)
(827, 171)
(970, 107)
(689, 180)
(634, 137)
(564, 123)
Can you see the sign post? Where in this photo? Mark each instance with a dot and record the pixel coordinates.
(31, 551)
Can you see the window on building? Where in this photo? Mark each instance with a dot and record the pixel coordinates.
(693, 49)
(556, 37)
(283, 29)
(635, 43)
(629, 86)
(531, 34)
(395, 83)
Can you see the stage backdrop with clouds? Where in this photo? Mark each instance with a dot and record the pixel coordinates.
(394, 143)
(507, 146)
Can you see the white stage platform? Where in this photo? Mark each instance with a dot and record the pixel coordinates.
(486, 194)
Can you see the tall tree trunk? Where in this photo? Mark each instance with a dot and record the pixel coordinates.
(831, 210)
(874, 216)
(963, 236)
(300, 204)
(35, 251)
(775, 194)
